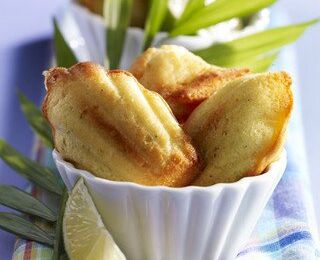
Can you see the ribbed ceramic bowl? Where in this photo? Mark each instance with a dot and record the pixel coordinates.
(196, 223)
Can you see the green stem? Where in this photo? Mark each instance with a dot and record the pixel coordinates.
(147, 42)
(58, 246)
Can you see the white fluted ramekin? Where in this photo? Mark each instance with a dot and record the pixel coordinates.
(196, 223)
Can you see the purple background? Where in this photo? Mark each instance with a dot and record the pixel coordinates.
(25, 51)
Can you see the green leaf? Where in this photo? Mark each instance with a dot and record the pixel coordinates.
(156, 15)
(218, 11)
(24, 228)
(36, 120)
(258, 63)
(234, 53)
(64, 55)
(58, 243)
(263, 63)
(22, 201)
(168, 22)
(117, 14)
(191, 7)
(29, 169)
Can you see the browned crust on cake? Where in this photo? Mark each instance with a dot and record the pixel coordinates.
(184, 97)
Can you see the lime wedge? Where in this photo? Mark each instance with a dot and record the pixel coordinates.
(85, 236)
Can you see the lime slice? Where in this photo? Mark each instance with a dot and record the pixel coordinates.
(85, 236)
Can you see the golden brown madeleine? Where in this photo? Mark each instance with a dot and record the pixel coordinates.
(183, 79)
(241, 129)
(107, 123)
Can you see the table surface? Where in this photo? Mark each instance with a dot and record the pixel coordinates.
(26, 22)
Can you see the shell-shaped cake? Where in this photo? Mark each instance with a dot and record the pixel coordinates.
(106, 122)
(240, 130)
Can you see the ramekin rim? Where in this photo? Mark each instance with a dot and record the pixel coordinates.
(281, 162)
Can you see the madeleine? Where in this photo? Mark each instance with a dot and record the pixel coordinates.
(183, 79)
(107, 123)
(240, 130)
